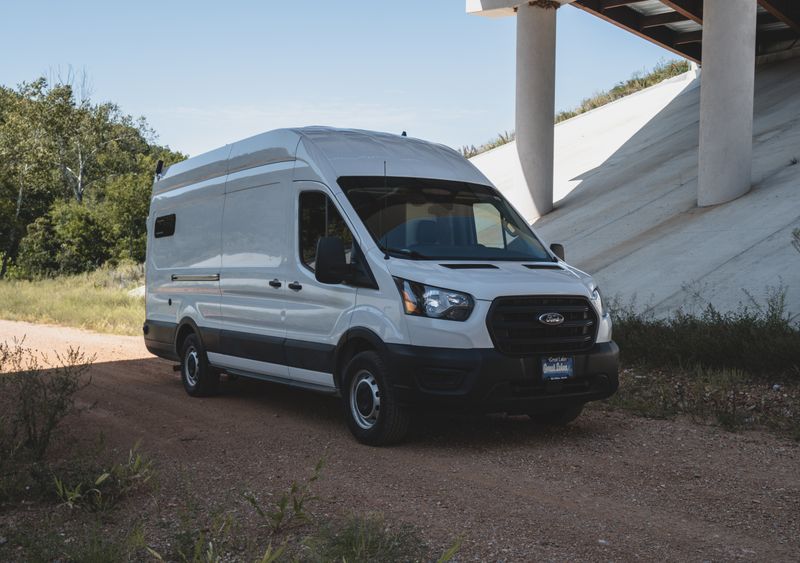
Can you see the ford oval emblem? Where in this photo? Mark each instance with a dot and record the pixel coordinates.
(551, 319)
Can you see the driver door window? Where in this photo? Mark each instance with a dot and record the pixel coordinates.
(320, 218)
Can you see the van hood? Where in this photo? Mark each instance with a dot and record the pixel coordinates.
(488, 280)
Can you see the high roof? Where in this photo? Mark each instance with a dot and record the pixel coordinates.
(677, 25)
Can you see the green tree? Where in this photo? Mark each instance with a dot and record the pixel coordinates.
(24, 153)
(92, 142)
(57, 147)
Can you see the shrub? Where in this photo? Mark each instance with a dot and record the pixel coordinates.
(38, 250)
(757, 339)
(68, 240)
(36, 395)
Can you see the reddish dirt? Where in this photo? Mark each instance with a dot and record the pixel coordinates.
(609, 487)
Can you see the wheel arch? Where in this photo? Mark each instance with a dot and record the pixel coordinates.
(352, 342)
(186, 327)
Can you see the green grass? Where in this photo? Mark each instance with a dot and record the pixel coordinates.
(639, 81)
(96, 301)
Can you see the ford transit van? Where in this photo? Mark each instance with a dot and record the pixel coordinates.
(379, 268)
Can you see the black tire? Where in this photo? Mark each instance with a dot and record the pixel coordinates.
(198, 377)
(560, 417)
(371, 411)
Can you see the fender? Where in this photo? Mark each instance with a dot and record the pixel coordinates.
(209, 337)
(353, 341)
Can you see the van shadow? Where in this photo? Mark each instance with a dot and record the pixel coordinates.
(428, 430)
(146, 397)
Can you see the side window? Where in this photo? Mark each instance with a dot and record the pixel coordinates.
(320, 218)
(165, 226)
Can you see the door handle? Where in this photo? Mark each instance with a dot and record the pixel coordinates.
(295, 286)
(275, 283)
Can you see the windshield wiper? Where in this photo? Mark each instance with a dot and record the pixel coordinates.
(403, 252)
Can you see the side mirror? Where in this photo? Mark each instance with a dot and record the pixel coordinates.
(558, 250)
(331, 267)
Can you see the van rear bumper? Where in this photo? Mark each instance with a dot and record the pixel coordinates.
(485, 380)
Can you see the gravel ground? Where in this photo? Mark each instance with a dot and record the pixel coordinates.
(609, 487)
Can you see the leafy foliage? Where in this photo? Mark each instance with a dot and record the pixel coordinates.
(75, 180)
(106, 490)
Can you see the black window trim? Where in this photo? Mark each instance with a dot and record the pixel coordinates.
(347, 182)
(369, 281)
(170, 220)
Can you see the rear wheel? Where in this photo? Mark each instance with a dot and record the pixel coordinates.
(371, 411)
(199, 378)
(560, 417)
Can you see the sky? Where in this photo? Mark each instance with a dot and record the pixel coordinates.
(208, 73)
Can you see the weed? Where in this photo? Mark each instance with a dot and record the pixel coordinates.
(451, 552)
(272, 555)
(291, 506)
(364, 539)
(93, 545)
(729, 397)
(107, 489)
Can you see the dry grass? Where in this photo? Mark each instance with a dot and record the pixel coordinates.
(95, 301)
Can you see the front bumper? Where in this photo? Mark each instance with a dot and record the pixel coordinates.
(484, 380)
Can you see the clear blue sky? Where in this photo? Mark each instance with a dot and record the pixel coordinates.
(207, 73)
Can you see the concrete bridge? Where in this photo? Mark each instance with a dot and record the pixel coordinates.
(725, 36)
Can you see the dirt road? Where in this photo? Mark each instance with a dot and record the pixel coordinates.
(610, 487)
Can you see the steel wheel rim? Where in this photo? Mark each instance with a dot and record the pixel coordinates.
(191, 367)
(365, 400)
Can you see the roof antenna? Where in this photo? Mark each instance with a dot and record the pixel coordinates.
(404, 134)
(380, 222)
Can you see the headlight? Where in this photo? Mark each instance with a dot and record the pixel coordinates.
(597, 298)
(427, 301)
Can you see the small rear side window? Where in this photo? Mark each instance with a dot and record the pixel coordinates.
(165, 226)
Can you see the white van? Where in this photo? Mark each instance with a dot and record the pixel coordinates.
(377, 267)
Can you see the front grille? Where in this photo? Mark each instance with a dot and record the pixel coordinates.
(515, 328)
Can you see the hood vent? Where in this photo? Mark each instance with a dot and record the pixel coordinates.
(543, 266)
(470, 266)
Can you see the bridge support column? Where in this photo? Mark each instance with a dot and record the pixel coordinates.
(535, 105)
(726, 100)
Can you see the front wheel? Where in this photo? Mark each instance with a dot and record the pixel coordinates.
(199, 378)
(560, 417)
(371, 411)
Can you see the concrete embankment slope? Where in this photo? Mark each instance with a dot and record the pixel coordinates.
(626, 185)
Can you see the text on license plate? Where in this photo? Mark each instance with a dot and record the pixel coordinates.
(557, 367)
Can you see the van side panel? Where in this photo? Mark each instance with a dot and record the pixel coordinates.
(255, 243)
(183, 269)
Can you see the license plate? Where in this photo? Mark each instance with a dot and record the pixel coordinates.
(557, 367)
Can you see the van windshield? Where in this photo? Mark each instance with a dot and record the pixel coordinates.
(426, 219)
